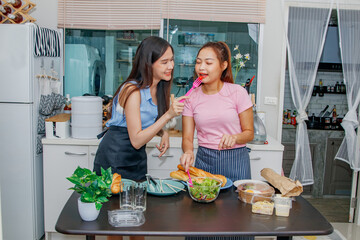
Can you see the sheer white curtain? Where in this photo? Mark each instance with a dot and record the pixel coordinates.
(349, 32)
(306, 33)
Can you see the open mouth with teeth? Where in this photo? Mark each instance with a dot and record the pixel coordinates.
(203, 75)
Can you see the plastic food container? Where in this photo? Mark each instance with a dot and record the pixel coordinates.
(202, 191)
(126, 218)
(86, 117)
(263, 207)
(282, 205)
(254, 191)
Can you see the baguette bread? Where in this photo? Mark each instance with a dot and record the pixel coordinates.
(196, 172)
(180, 175)
(116, 183)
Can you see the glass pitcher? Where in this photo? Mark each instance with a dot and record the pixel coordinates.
(259, 129)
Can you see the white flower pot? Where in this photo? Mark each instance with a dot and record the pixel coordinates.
(87, 211)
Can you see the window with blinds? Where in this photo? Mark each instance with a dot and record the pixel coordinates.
(109, 31)
(247, 11)
(109, 14)
(146, 14)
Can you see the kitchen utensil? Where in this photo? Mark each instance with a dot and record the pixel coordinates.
(151, 187)
(248, 84)
(125, 218)
(196, 84)
(190, 182)
(170, 187)
(321, 114)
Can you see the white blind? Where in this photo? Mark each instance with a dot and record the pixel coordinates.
(249, 11)
(109, 14)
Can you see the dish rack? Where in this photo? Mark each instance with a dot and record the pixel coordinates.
(23, 10)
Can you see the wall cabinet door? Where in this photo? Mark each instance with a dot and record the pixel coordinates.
(60, 161)
(92, 153)
(338, 174)
(163, 166)
(265, 159)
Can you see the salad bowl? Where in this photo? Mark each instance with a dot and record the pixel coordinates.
(204, 189)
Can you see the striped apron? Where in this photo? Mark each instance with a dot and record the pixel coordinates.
(115, 151)
(232, 163)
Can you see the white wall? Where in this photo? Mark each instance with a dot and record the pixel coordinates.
(1, 235)
(45, 12)
(271, 67)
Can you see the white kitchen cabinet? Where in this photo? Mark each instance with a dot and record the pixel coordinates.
(265, 159)
(163, 166)
(60, 161)
(268, 155)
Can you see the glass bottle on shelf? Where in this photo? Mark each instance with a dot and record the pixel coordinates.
(321, 88)
(337, 87)
(67, 108)
(5, 10)
(17, 18)
(334, 118)
(15, 3)
(342, 87)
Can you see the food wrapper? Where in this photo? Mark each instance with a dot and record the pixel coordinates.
(287, 187)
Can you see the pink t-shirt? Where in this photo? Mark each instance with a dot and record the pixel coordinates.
(217, 114)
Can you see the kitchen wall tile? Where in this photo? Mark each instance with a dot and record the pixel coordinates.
(317, 104)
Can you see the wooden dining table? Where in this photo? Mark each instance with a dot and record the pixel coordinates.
(179, 215)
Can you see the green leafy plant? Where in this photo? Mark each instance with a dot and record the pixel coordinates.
(239, 60)
(93, 188)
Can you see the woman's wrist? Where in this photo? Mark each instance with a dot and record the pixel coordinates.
(160, 133)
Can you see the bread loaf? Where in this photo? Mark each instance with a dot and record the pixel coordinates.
(180, 175)
(195, 172)
(116, 183)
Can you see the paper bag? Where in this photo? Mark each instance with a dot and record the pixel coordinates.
(286, 186)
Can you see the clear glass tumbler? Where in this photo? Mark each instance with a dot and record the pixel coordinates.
(127, 196)
(140, 196)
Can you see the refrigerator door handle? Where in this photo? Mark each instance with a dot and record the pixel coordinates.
(76, 154)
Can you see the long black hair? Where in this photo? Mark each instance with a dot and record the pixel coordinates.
(148, 52)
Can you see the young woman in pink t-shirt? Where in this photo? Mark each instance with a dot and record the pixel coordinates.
(222, 114)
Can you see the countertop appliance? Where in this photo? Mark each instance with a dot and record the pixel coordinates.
(21, 168)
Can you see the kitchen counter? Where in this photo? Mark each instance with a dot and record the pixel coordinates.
(175, 141)
(318, 141)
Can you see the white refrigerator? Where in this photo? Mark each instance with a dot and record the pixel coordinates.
(21, 168)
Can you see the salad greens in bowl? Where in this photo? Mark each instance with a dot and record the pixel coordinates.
(205, 189)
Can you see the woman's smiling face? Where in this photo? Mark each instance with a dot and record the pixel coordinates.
(163, 67)
(208, 66)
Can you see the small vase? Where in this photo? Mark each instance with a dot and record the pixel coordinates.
(87, 211)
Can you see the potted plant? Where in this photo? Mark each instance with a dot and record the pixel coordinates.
(94, 191)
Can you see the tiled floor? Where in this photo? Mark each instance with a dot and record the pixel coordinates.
(334, 208)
